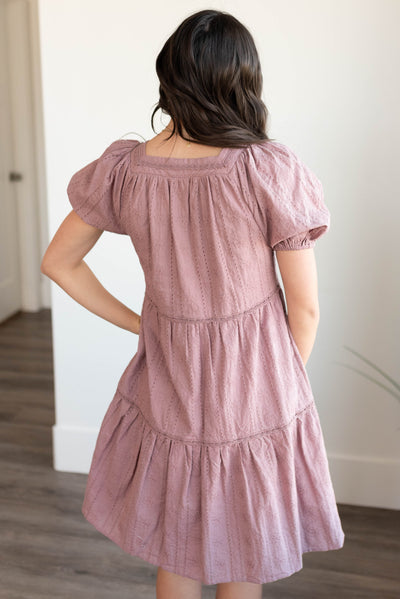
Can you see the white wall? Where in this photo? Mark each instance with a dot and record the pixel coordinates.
(331, 86)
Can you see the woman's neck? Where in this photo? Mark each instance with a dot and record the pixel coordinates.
(178, 146)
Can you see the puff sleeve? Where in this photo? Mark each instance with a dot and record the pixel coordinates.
(95, 191)
(292, 201)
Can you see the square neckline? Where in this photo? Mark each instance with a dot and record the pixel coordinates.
(212, 161)
(183, 158)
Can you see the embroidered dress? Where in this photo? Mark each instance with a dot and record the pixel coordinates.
(210, 460)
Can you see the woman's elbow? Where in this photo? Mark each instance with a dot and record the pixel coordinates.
(47, 267)
(309, 310)
(313, 311)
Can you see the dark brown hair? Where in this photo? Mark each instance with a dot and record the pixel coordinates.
(211, 82)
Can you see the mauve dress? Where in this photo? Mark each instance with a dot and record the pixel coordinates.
(210, 461)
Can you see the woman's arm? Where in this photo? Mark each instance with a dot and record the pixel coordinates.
(299, 276)
(63, 263)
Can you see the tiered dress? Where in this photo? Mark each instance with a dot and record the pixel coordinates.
(210, 460)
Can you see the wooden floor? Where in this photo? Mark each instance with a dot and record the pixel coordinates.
(48, 549)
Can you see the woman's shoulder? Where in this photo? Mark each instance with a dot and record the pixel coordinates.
(276, 152)
(276, 160)
(120, 147)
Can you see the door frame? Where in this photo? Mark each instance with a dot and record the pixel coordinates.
(27, 151)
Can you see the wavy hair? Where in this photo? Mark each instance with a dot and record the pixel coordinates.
(211, 82)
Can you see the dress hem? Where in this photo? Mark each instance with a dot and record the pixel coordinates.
(153, 559)
(134, 498)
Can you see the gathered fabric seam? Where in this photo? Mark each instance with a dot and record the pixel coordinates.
(262, 433)
(218, 318)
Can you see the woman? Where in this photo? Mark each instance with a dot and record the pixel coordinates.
(210, 461)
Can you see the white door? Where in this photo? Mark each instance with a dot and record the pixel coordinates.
(10, 279)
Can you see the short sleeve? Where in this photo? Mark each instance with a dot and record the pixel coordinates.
(95, 191)
(291, 200)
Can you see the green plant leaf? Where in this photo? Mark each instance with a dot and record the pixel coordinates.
(384, 374)
(367, 376)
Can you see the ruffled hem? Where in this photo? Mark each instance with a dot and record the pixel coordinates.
(238, 511)
(302, 241)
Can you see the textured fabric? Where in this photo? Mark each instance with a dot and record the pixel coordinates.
(210, 460)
